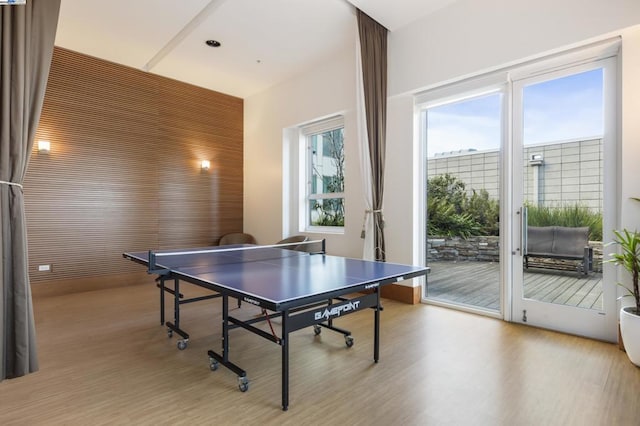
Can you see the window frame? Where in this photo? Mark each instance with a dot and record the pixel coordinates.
(306, 174)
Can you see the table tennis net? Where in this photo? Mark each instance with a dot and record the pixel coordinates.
(206, 257)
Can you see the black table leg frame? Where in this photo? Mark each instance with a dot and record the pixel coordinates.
(293, 320)
(175, 326)
(178, 300)
(215, 358)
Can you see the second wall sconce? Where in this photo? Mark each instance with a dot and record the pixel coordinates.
(44, 147)
(205, 165)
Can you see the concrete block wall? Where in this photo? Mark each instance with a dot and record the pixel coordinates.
(570, 173)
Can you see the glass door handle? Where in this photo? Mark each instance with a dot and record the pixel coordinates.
(522, 222)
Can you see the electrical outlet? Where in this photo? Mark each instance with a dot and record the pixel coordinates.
(44, 268)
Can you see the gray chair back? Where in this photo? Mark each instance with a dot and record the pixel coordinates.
(237, 238)
(295, 239)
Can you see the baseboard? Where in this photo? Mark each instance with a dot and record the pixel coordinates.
(77, 285)
(620, 342)
(402, 293)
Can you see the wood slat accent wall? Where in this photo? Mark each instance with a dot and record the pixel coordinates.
(124, 171)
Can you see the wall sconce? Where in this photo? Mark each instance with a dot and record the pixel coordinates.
(205, 165)
(44, 147)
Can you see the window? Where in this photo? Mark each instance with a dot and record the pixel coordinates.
(324, 174)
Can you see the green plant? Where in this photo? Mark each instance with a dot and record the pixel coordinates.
(629, 258)
(445, 221)
(485, 211)
(453, 214)
(330, 212)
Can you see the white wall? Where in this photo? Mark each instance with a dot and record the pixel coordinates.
(327, 90)
(630, 130)
(472, 36)
(465, 39)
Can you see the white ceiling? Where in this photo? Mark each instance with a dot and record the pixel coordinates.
(264, 42)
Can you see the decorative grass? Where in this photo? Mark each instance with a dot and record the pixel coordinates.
(569, 215)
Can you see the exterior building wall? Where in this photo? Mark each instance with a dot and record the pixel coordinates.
(570, 172)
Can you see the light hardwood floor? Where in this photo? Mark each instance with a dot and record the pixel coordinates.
(104, 359)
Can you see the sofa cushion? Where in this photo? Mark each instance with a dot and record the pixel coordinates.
(570, 241)
(540, 239)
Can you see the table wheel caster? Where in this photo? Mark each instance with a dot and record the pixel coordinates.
(348, 340)
(213, 364)
(317, 330)
(243, 384)
(182, 344)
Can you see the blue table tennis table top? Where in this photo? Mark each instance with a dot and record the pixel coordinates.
(279, 280)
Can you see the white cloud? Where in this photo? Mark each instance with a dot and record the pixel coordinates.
(451, 132)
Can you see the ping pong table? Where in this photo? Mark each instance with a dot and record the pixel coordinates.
(302, 288)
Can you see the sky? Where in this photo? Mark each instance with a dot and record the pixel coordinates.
(566, 108)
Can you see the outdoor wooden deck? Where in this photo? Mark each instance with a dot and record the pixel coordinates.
(477, 284)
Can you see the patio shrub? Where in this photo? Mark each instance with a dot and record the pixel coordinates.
(453, 213)
(485, 211)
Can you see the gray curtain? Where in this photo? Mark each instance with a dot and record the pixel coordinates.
(373, 48)
(27, 34)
